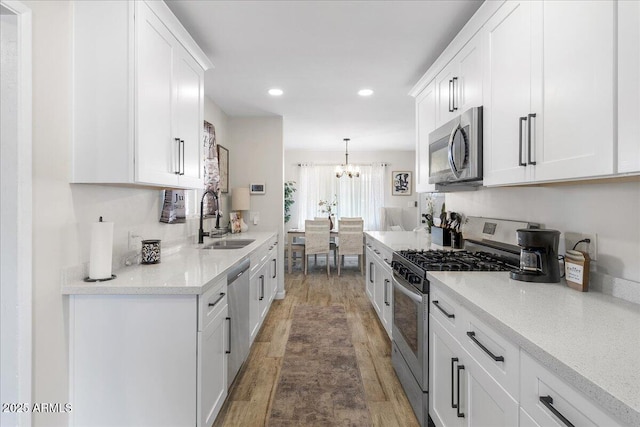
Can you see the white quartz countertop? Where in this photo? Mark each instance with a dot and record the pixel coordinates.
(190, 270)
(591, 340)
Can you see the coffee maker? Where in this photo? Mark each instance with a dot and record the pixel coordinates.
(538, 256)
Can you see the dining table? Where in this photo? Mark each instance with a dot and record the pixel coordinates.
(299, 232)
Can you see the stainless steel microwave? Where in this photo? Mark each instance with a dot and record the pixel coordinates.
(455, 150)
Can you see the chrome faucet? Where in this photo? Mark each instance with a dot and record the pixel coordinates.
(201, 232)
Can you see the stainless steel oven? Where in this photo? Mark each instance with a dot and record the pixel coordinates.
(410, 346)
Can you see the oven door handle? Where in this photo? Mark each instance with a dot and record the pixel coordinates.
(415, 296)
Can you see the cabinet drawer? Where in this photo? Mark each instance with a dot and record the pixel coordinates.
(499, 357)
(445, 310)
(547, 398)
(211, 302)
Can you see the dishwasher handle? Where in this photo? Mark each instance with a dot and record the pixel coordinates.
(236, 272)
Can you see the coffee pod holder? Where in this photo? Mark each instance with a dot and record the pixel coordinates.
(576, 268)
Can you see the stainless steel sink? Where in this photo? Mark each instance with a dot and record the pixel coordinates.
(229, 244)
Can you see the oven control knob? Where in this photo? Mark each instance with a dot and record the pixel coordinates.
(414, 279)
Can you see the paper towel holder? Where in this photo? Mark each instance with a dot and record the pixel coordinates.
(88, 279)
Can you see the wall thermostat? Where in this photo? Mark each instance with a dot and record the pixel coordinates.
(257, 188)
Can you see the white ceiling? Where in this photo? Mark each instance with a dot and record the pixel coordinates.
(321, 53)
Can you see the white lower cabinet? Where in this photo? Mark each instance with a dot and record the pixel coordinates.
(549, 401)
(379, 283)
(213, 342)
(461, 392)
(261, 285)
(147, 360)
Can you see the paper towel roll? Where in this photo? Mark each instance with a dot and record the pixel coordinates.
(101, 255)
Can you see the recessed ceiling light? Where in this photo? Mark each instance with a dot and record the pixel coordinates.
(365, 92)
(275, 92)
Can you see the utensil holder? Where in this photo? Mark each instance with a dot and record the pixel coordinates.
(150, 252)
(441, 236)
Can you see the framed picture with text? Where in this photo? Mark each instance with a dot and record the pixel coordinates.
(401, 183)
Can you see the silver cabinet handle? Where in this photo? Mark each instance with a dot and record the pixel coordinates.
(453, 98)
(261, 287)
(520, 162)
(177, 171)
(386, 292)
(275, 268)
(532, 115)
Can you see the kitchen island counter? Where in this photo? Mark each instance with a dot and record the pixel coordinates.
(591, 340)
(189, 271)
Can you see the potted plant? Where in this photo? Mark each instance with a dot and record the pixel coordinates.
(289, 189)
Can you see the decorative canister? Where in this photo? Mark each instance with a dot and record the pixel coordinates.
(150, 251)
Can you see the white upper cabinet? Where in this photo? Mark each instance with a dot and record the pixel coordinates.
(459, 84)
(574, 135)
(425, 123)
(138, 81)
(507, 92)
(549, 91)
(628, 86)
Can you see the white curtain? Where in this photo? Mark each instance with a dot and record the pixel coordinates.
(359, 197)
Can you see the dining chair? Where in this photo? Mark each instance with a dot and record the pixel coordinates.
(332, 241)
(316, 239)
(351, 241)
(298, 245)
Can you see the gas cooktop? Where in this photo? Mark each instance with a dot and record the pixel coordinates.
(442, 260)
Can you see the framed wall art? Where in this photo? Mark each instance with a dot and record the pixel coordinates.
(223, 165)
(401, 183)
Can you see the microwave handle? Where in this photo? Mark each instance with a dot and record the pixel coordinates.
(522, 119)
(452, 163)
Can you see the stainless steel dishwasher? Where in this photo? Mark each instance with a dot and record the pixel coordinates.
(238, 292)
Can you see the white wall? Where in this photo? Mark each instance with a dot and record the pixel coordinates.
(62, 212)
(396, 160)
(609, 209)
(9, 314)
(256, 156)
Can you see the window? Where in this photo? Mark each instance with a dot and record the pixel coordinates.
(356, 197)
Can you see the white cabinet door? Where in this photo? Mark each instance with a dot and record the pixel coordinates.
(460, 391)
(574, 135)
(213, 342)
(468, 85)
(379, 291)
(387, 307)
(370, 274)
(507, 92)
(425, 123)
(156, 148)
(628, 86)
(255, 290)
(189, 91)
(443, 360)
(445, 93)
(548, 399)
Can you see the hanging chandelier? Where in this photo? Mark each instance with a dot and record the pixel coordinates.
(347, 168)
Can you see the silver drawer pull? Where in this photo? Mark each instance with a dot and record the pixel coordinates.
(213, 304)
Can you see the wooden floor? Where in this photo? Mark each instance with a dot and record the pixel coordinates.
(250, 397)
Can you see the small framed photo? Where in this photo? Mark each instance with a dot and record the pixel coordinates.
(401, 183)
(257, 188)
